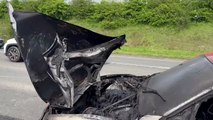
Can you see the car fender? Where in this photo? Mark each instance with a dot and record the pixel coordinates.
(10, 42)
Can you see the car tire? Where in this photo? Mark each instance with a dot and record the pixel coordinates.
(14, 54)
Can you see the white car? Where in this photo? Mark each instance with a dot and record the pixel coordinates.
(12, 51)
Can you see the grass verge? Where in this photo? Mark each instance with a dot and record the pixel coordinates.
(167, 41)
(5, 29)
(145, 40)
(139, 51)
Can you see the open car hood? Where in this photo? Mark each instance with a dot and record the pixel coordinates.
(62, 59)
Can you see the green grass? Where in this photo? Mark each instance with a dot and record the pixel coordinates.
(140, 51)
(168, 42)
(146, 40)
(5, 29)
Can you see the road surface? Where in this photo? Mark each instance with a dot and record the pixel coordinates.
(18, 99)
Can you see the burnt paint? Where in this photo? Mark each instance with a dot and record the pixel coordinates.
(48, 45)
(176, 86)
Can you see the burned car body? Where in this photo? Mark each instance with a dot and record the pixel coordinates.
(54, 56)
(64, 60)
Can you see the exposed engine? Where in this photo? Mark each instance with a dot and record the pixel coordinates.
(115, 96)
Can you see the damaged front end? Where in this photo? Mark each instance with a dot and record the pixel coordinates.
(64, 61)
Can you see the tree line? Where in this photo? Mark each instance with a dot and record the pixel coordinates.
(112, 15)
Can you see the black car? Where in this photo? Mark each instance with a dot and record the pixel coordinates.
(1, 42)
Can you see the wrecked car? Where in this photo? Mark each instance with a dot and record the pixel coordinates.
(64, 60)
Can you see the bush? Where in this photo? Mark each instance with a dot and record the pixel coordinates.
(169, 14)
(3, 9)
(201, 15)
(112, 15)
(31, 5)
(57, 9)
(109, 15)
(164, 13)
(201, 10)
(82, 9)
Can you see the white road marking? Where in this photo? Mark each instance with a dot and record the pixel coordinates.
(146, 58)
(137, 65)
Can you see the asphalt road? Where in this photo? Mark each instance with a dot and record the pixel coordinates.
(18, 99)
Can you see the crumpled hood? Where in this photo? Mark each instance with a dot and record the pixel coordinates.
(62, 59)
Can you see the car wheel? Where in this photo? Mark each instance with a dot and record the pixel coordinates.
(14, 54)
